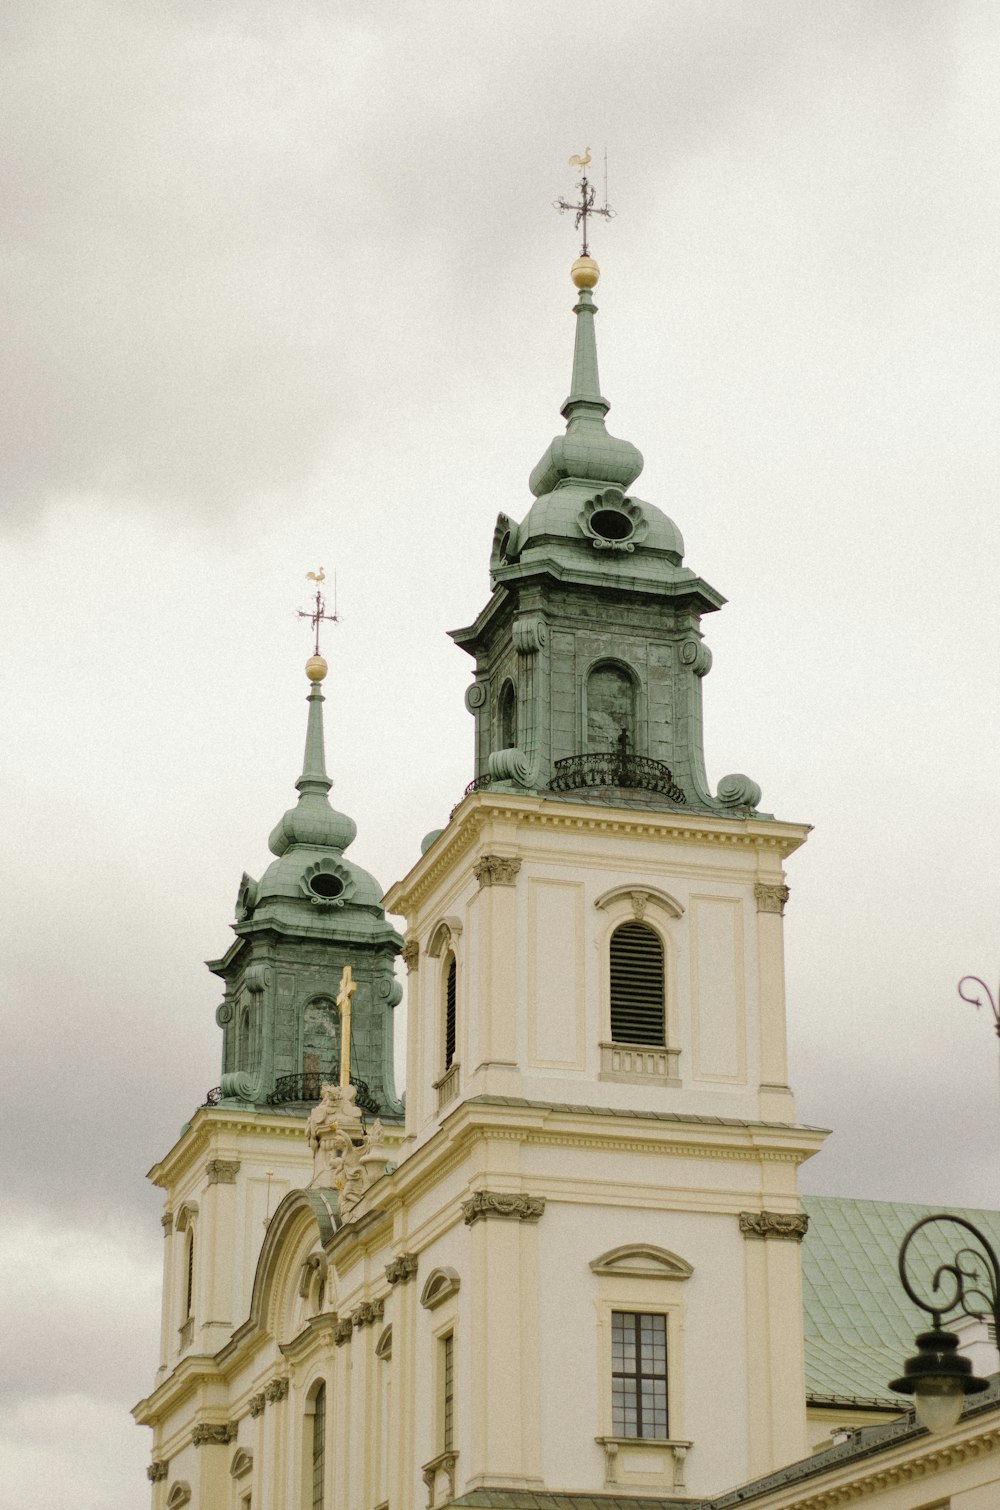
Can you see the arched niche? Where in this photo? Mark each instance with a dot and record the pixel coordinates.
(610, 707)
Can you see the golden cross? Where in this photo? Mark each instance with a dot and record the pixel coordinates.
(348, 986)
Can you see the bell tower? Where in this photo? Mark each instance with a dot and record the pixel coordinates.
(589, 655)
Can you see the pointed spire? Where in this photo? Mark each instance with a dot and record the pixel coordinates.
(586, 453)
(313, 821)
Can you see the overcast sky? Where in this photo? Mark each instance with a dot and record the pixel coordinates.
(284, 288)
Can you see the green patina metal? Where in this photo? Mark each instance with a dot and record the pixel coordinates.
(591, 643)
(859, 1323)
(311, 913)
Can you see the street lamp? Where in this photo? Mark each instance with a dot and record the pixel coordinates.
(938, 1377)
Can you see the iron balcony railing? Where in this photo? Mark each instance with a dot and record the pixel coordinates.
(306, 1087)
(615, 768)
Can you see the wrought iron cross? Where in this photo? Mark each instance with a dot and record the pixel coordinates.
(318, 613)
(586, 207)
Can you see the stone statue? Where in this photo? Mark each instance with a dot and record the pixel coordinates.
(345, 1158)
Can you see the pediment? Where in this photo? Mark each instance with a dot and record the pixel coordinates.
(639, 896)
(179, 1495)
(440, 1284)
(383, 1347)
(242, 1463)
(642, 1261)
(443, 935)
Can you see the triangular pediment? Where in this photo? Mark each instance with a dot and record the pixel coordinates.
(642, 1261)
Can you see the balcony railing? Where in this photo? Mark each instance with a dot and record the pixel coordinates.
(307, 1087)
(615, 768)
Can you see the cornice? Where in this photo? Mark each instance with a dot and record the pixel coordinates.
(478, 809)
(871, 1477)
(189, 1373)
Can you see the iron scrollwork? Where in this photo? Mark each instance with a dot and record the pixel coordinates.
(615, 768)
(308, 1086)
(969, 1284)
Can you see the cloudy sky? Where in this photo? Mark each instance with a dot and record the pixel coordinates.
(284, 288)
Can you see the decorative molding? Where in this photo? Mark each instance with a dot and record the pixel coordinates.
(157, 1470)
(443, 935)
(642, 1261)
(486, 1203)
(639, 1064)
(276, 1390)
(640, 899)
(774, 1224)
(401, 1269)
(530, 634)
(205, 1435)
(186, 1333)
(256, 1406)
(771, 898)
(186, 1215)
(241, 1464)
(383, 1347)
(367, 1313)
(441, 1283)
(180, 1494)
(167, 1223)
(410, 955)
(439, 1476)
(316, 1263)
(343, 1331)
(222, 1171)
(256, 977)
(475, 696)
(496, 870)
(677, 1451)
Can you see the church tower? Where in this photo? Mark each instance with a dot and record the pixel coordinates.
(574, 1268)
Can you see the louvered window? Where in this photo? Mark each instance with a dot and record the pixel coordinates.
(449, 1014)
(637, 1005)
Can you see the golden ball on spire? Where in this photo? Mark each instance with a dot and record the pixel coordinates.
(316, 668)
(585, 272)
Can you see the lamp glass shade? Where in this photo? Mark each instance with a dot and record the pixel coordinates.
(938, 1401)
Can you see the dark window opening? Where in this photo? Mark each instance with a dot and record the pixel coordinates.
(450, 1014)
(611, 524)
(637, 996)
(324, 885)
(508, 716)
(448, 1393)
(189, 1282)
(318, 1447)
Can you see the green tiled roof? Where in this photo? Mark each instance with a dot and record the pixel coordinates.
(859, 1324)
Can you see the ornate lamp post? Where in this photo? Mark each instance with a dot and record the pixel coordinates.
(937, 1376)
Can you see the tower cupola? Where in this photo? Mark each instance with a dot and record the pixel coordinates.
(589, 654)
(312, 912)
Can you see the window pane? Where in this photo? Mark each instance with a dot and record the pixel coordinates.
(638, 1374)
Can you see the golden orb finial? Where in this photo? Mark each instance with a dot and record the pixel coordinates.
(316, 668)
(585, 272)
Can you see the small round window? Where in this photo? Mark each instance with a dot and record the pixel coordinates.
(610, 524)
(324, 885)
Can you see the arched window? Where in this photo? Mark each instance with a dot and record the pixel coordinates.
(637, 997)
(243, 1050)
(320, 1042)
(189, 1275)
(507, 710)
(450, 1012)
(610, 709)
(318, 1464)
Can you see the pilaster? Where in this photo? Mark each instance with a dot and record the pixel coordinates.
(776, 1100)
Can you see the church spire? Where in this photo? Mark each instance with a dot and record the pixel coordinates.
(313, 821)
(586, 453)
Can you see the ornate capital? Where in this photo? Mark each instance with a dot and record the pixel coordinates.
(496, 870)
(214, 1436)
(410, 955)
(167, 1223)
(774, 1224)
(521, 1208)
(368, 1312)
(256, 1406)
(401, 1269)
(276, 1390)
(157, 1471)
(343, 1331)
(771, 898)
(222, 1171)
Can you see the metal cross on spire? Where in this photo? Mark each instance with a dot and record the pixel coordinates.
(588, 194)
(318, 613)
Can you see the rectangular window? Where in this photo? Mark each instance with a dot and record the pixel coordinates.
(638, 1374)
(448, 1393)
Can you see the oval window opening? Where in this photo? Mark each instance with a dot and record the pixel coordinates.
(324, 885)
(611, 525)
